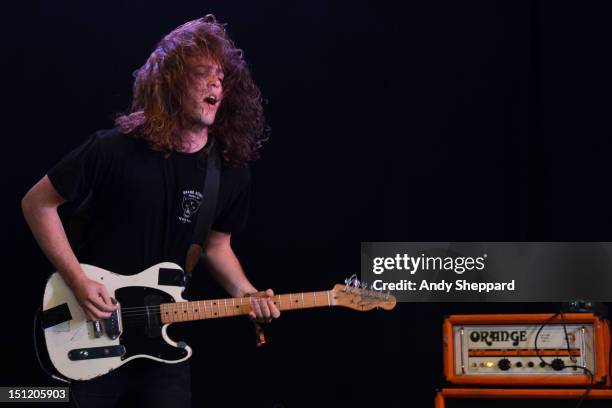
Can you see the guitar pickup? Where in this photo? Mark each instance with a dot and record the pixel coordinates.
(112, 325)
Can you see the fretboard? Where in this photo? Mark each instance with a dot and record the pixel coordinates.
(214, 308)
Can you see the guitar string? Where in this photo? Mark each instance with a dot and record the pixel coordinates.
(221, 312)
(297, 295)
(141, 312)
(191, 305)
(142, 317)
(138, 311)
(145, 310)
(215, 313)
(157, 311)
(207, 310)
(141, 308)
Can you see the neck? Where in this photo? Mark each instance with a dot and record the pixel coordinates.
(193, 139)
(215, 308)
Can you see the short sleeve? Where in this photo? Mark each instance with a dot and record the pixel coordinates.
(233, 215)
(80, 170)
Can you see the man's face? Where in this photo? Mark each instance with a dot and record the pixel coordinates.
(206, 93)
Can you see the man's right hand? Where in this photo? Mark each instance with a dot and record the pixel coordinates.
(94, 299)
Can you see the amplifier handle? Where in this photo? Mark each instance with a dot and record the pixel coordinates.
(461, 333)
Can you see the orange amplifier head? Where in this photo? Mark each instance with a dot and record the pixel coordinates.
(501, 349)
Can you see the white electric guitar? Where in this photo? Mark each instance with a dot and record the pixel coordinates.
(147, 303)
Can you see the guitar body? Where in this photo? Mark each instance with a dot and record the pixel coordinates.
(81, 350)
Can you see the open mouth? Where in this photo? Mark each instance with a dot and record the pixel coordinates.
(211, 100)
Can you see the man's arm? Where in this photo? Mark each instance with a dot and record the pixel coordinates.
(227, 271)
(39, 208)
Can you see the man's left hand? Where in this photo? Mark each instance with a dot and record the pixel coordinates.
(264, 309)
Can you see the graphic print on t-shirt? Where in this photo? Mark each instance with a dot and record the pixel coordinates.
(191, 204)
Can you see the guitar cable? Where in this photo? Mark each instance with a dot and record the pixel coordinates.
(574, 366)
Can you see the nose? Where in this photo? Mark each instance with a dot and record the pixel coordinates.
(214, 83)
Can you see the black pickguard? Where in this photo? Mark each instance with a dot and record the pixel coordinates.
(142, 327)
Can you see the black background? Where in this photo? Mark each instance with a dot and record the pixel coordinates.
(429, 121)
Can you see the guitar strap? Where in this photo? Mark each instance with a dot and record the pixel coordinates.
(206, 215)
(206, 212)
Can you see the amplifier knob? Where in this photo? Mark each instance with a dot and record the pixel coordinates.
(530, 364)
(519, 364)
(504, 364)
(557, 364)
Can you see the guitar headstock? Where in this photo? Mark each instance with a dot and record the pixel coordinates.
(355, 295)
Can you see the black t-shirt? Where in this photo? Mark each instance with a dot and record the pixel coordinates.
(142, 206)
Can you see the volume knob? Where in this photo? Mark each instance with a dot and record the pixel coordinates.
(504, 364)
(557, 364)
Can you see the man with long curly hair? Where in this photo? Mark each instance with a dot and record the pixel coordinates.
(144, 181)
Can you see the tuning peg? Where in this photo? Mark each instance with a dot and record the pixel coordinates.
(349, 281)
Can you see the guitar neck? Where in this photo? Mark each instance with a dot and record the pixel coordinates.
(215, 308)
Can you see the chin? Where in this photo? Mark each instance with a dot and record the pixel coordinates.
(208, 118)
(207, 122)
(203, 121)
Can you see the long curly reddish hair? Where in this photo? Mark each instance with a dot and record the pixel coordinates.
(161, 86)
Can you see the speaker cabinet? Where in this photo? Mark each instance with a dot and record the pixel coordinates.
(524, 398)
